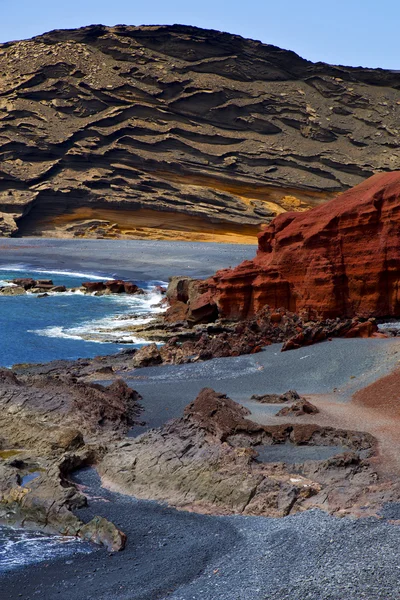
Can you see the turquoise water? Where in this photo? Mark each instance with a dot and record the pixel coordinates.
(67, 325)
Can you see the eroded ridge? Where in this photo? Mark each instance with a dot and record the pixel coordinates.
(109, 131)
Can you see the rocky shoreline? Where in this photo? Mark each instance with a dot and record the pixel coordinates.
(43, 287)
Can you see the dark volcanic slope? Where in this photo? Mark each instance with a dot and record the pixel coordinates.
(100, 121)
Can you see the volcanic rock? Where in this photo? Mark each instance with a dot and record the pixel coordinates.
(54, 425)
(337, 260)
(26, 282)
(207, 460)
(299, 408)
(12, 291)
(179, 132)
(147, 356)
(93, 286)
(290, 396)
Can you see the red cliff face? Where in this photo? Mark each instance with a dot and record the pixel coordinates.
(341, 259)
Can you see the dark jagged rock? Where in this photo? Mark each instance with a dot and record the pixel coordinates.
(101, 128)
(290, 396)
(52, 425)
(208, 460)
(298, 409)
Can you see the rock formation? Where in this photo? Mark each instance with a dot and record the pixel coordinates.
(341, 259)
(51, 425)
(178, 132)
(208, 461)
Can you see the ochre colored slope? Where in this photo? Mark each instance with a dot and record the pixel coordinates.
(181, 120)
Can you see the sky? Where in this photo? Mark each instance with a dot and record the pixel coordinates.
(348, 32)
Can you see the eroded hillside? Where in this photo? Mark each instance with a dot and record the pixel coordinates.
(181, 133)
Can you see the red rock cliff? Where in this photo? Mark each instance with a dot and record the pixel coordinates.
(340, 259)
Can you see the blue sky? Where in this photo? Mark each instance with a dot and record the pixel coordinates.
(351, 32)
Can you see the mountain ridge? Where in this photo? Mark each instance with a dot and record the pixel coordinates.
(178, 132)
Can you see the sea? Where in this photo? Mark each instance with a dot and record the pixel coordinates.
(69, 325)
(65, 325)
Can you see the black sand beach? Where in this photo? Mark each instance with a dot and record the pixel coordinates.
(186, 556)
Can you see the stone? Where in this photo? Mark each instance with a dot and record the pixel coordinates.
(12, 291)
(298, 409)
(101, 531)
(93, 286)
(237, 151)
(132, 288)
(208, 461)
(147, 356)
(25, 282)
(290, 396)
(116, 286)
(340, 259)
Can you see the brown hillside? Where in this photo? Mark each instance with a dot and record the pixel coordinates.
(181, 133)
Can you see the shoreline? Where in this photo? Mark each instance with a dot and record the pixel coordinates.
(231, 556)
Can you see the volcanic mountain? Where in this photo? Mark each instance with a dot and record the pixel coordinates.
(181, 133)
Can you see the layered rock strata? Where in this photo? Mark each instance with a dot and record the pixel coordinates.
(337, 260)
(208, 461)
(180, 133)
(51, 425)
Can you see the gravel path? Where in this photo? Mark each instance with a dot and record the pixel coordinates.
(174, 555)
(344, 365)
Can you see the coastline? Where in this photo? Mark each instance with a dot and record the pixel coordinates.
(237, 556)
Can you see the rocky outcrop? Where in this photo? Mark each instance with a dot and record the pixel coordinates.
(290, 396)
(298, 409)
(208, 461)
(338, 260)
(50, 426)
(180, 133)
(16, 287)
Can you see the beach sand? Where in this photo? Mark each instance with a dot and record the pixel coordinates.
(185, 556)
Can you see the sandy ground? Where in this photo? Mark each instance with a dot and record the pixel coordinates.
(184, 556)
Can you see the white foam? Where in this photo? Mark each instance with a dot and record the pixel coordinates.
(19, 547)
(391, 325)
(66, 272)
(4, 283)
(137, 310)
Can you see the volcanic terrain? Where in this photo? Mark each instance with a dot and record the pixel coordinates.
(175, 132)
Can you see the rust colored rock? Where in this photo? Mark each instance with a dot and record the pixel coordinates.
(116, 286)
(290, 396)
(219, 415)
(341, 259)
(276, 317)
(176, 313)
(298, 409)
(93, 286)
(132, 288)
(26, 282)
(147, 356)
(363, 330)
(203, 309)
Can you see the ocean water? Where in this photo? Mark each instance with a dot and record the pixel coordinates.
(19, 547)
(61, 326)
(68, 325)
